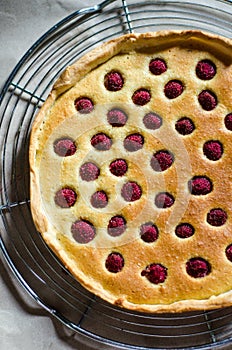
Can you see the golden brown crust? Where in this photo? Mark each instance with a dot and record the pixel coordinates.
(131, 54)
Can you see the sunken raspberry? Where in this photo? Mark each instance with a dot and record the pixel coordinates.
(157, 66)
(116, 117)
(131, 191)
(229, 252)
(89, 171)
(184, 126)
(155, 273)
(141, 97)
(149, 232)
(228, 121)
(133, 142)
(207, 100)
(99, 199)
(184, 230)
(101, 142)
(216, 217)
(113, 81)
(162, 160)
(64, 147)
(65, 198)
(84, 105)
(200, 185)
(118, 167)
(173, 89)
(198, 267)
(164, 200)
(114, 262)
(205, 69)
(213, 150)
(152, 121)
(116, 226)
(83, 231)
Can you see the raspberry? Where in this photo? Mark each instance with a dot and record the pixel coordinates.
(152, 121)
(207, 100)
(133, 142)
(89, 171)
(228, 121)
(213, 150)
(198, 267)
(84, 105)
(216, 217)
(116, 226)
(101, 142)
(184, 230)
(131, 191)
(229, 252)
(157, 66)
(149, 232)
(205, 69)
(83, 231)
(141, 97)
(162, 160)
(164, 200)
(173, 89)
(118, 167)
(113, 81)
(64, 147)
(99, 199)
(200, 185)
(155, 273)
(116, 117)
(184, 126)
(65, 198)
(114, 262)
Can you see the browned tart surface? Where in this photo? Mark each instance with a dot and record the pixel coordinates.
(131, 160)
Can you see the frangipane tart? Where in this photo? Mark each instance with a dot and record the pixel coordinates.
(130, 162)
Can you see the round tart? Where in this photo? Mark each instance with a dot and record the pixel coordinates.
(130, 161)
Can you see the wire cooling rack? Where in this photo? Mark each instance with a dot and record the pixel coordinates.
(35, 266)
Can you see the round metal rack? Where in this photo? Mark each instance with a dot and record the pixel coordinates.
(35, 266)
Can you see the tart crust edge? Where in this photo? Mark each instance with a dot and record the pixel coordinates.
(67, 80)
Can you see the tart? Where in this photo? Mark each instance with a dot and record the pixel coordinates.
(130, 171)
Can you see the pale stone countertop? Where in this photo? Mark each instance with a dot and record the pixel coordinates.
(24, 325)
